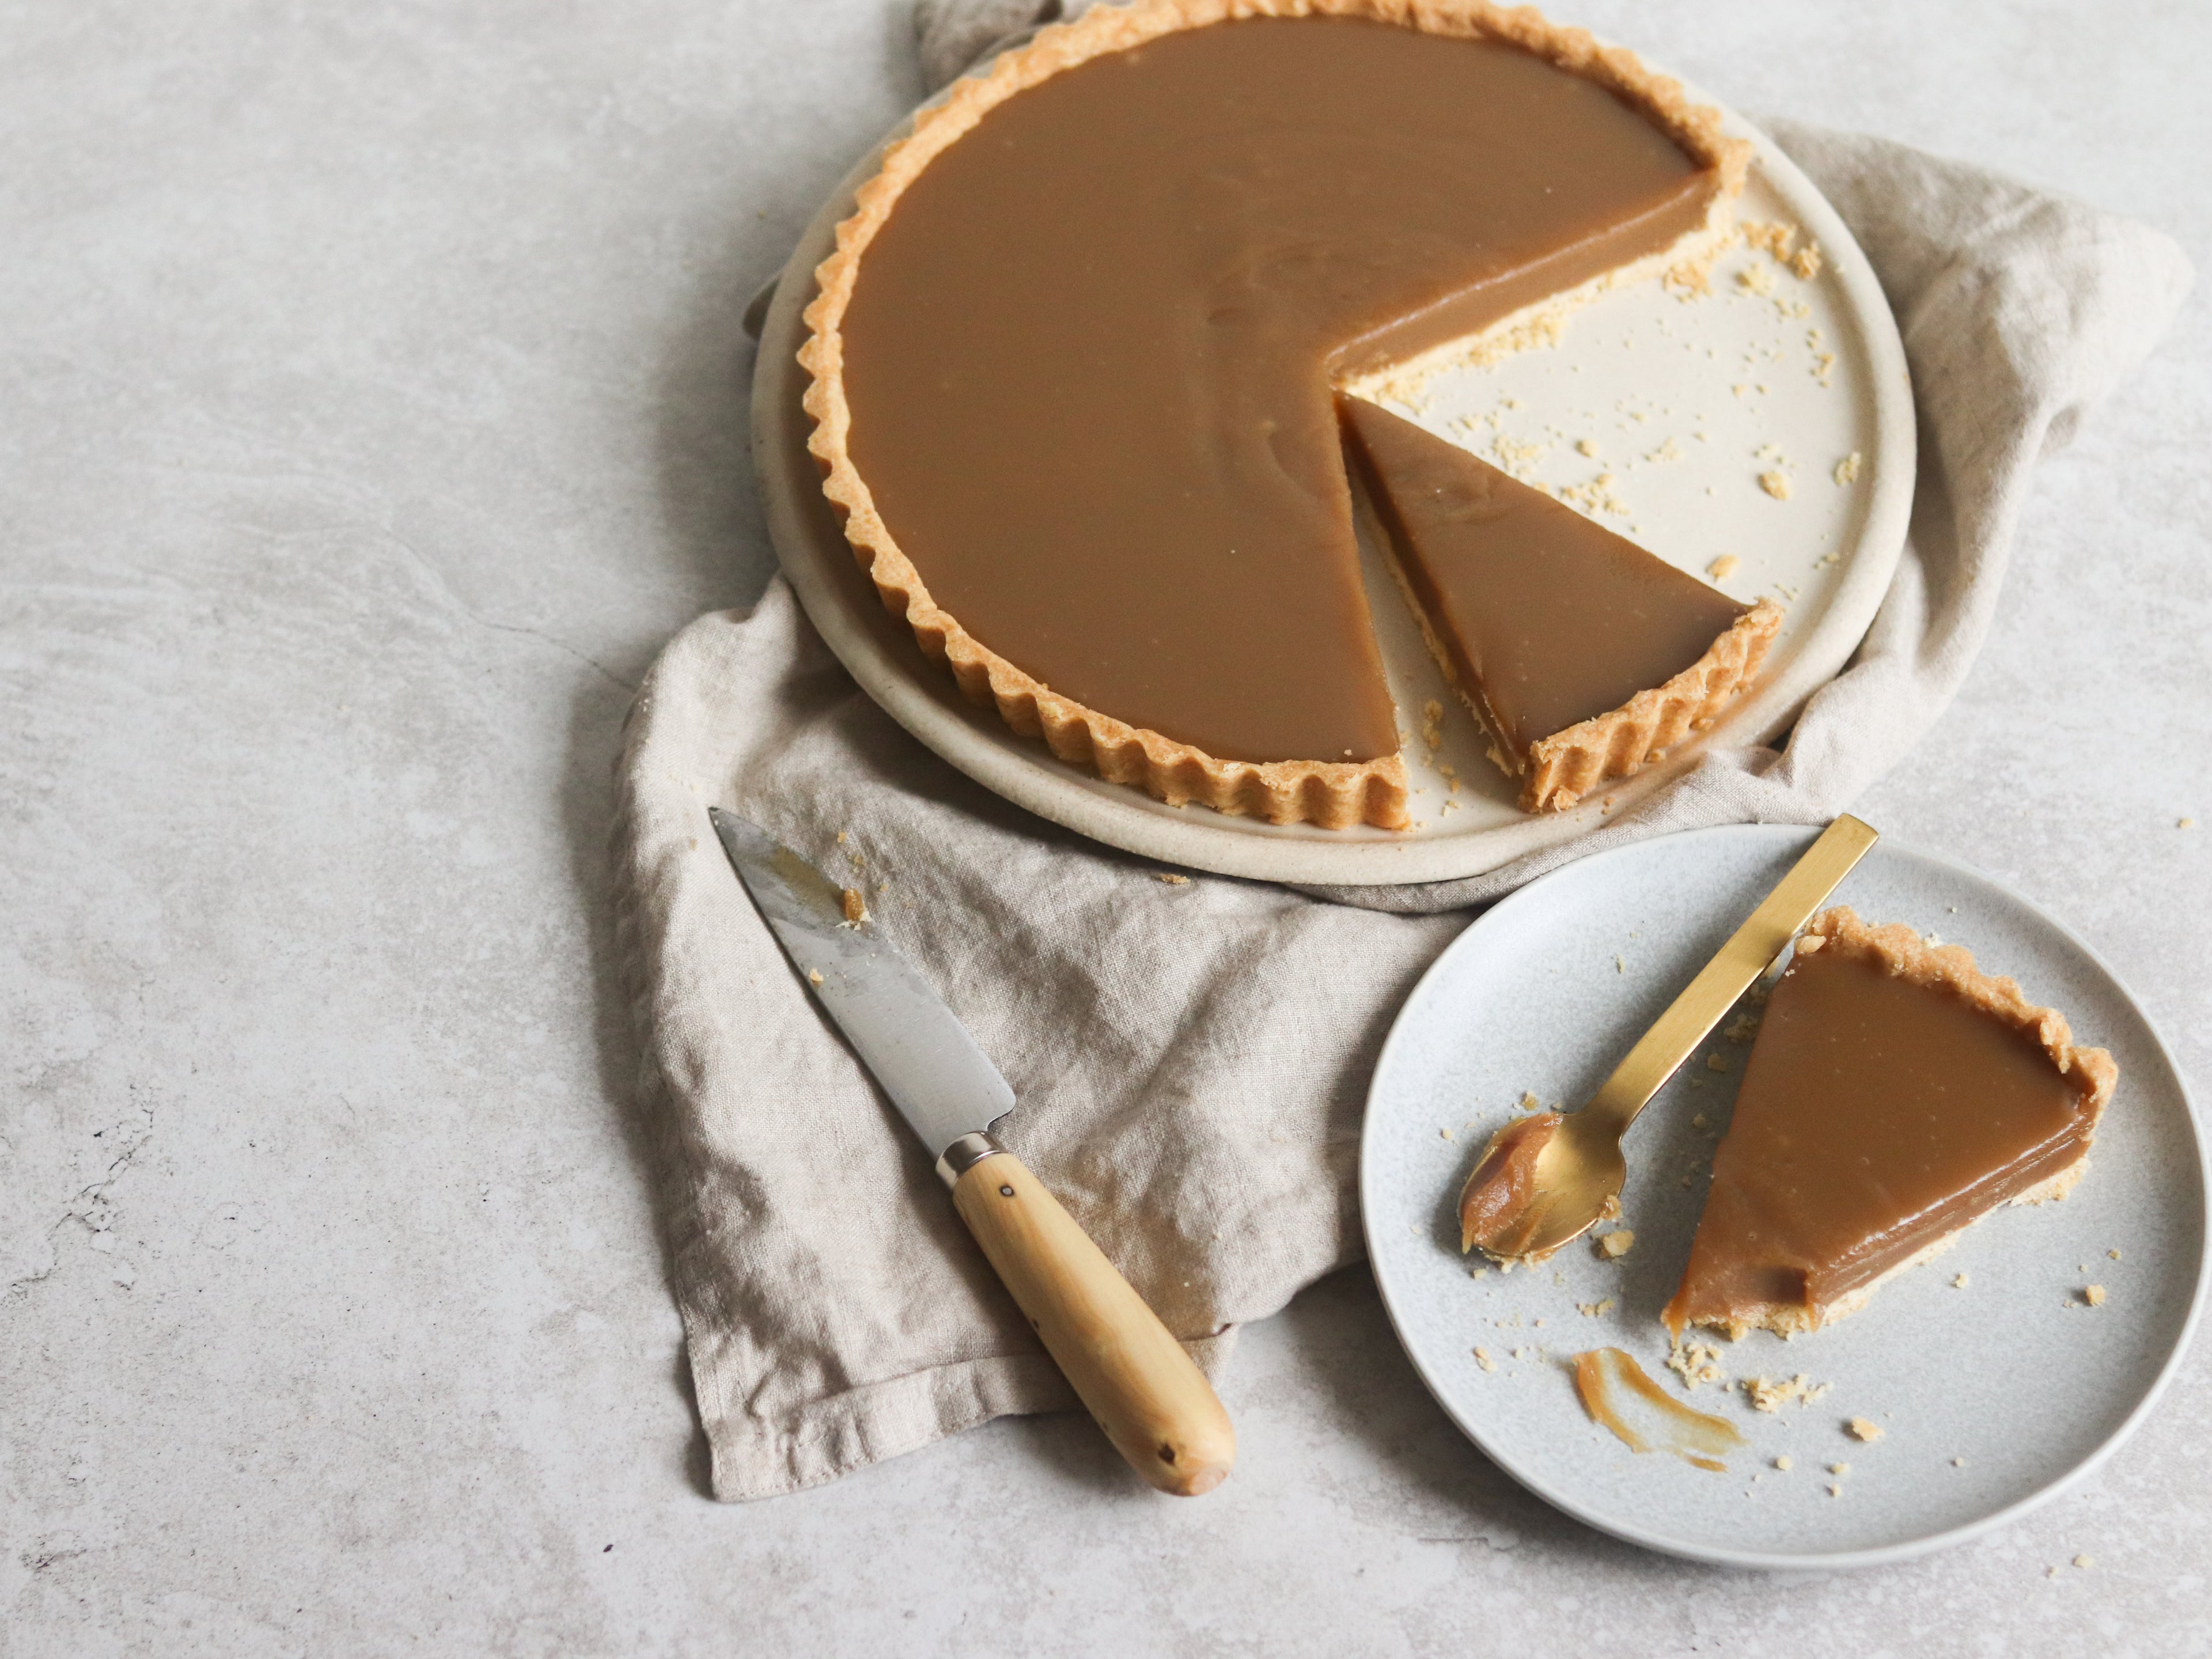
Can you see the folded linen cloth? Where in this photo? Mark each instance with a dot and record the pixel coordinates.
(1192, 1053)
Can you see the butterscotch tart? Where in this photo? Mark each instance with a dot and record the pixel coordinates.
(1076, 362)
(1895, 1095)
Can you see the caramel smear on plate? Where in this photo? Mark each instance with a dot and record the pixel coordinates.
(1618, 1393)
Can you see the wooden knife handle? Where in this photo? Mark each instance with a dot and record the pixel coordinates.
(1154, 1404)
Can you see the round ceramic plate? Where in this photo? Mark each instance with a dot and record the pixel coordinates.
(1664, 413)
(1995, 1382)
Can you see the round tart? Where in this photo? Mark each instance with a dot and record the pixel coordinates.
(1077, 364)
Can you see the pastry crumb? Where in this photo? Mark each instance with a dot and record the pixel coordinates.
(2093, 1295)
(1695, 1363)
(1169, 879)
(2085, 1562)
(1771, 237)
(1847, 470)
(1757, 279)
(1478, 1273)
(1699, 1121)
(1745, 1028)
(1807, 264)
(1775, 484)
(1528, 1103)
(1433, 715)
(1620, 966)
(2184, 823)
(1724, 566)
(814, 976)
(841, 838)
(856, 907)
(1599, 496)
(1784, 1464)
(2115, 1254)
(1957, 1462)
(1839, 1468)
(1592, 1309)
(1584, 446)
(1959, 1283)
(1861, 1428)
(1616, 1244)
(1484, 1358)
(1835, 1491)
(1771, 1394)
(1444, 1133)
(1717, 1062)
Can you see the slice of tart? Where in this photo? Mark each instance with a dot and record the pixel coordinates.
(1074, 362)
(1895, 1095)
(1582, 653)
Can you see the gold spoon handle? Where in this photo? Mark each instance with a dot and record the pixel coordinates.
(1676, 1033)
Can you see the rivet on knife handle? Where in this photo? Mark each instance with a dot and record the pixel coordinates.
(1154, 1405)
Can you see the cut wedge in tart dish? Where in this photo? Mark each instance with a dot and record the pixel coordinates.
(1582, 655)
(1075, 361)
(1895, 1095)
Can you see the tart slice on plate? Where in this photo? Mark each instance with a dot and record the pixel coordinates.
(1895, 1095)
(1582, 655)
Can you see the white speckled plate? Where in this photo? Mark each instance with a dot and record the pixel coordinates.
(2014, 1373)
(1683, 405)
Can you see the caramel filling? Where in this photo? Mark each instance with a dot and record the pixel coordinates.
(1495, 1204)
(1877, 1116)
(1089, 354)
(1546, 618)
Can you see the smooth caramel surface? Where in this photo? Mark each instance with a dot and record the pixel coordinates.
(1877, 1114)
(1089, 354)
(1549, 619)
(1493, 1204)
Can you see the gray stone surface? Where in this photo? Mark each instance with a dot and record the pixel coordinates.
(373, 408)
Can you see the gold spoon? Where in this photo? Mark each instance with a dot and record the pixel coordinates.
(1544, 1181)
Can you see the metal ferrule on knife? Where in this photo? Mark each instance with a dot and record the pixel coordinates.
(963, 1155)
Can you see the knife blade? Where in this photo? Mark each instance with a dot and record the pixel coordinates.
(1153, 1403)
(943, 1085)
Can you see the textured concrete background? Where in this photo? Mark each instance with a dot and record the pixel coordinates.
(374, 407)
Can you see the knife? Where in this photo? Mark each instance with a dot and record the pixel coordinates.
(1137, 1382)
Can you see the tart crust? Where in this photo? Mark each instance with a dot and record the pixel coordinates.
(1332, 794)
(1897, 950)
(1567, 765)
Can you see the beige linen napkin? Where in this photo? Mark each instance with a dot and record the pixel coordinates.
(1191, 1053)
